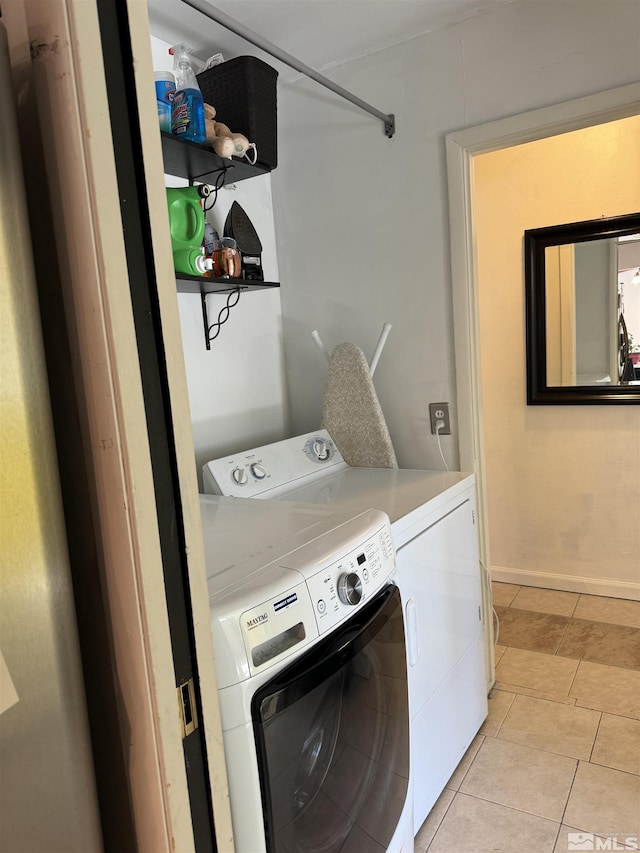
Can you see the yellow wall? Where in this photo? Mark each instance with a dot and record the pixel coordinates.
(563, 482)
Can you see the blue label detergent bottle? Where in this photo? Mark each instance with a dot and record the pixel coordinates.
(187, 109)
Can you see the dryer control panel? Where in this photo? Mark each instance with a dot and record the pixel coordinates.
(274, 469)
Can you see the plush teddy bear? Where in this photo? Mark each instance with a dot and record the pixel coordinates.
(225, 143)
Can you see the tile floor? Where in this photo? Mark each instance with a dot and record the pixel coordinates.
(559, 752)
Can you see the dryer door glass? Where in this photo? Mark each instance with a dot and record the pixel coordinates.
(332, 732)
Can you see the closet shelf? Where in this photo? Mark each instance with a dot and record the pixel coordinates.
(200, 163)
(203, 285)
(232, 287)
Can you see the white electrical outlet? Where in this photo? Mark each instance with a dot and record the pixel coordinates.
(439, 413)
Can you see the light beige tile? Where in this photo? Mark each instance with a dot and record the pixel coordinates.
(541, 724)
(589, 840)
(604, 801)
(500, 650)
(459, 773)
(545, 601)
(499, 703)
(536, 670)
(618, 744)
(537, 694)
(433, 821)
(479, 826)
(503, 593)
(597, 685)
(522, 778)
(619, 611)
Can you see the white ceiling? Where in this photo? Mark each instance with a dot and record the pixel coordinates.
(320, 33)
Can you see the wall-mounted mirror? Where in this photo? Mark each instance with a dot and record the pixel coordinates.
(583, 312)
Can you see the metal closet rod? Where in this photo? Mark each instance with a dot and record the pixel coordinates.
(249, 35)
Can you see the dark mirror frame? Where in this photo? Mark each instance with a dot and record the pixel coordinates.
(535, 242)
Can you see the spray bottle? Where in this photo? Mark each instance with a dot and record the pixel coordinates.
(187, 108)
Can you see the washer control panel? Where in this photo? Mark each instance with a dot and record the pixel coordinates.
(339, 588)
(273, 469)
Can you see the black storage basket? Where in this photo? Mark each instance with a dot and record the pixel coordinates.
(243, 92)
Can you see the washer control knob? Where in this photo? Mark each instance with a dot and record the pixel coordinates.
(349, 588)
(320, 449)
(258, 471)
(239, 476)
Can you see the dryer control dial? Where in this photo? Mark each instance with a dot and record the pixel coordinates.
(349, 588)
(318, 449)
(258, 471)
(239, 476)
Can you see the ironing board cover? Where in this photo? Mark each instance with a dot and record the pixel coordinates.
(352, 413)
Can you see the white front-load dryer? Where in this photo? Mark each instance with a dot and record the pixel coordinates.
(309, 642)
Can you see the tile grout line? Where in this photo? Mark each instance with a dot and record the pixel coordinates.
(575, 675)
(440, 822)
(593, 745)
(512, 808)
(575, 606)
(484, 737)
(566, 628)
(557, 838)
(575, 773)
(511, 704)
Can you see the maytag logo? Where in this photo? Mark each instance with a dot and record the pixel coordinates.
(257, 620)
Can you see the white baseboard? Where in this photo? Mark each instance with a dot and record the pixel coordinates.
(568, 583)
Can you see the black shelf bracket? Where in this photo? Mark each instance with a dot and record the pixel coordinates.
(232, 287)
(212, 331)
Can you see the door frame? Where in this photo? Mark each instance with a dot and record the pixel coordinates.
(461, 148)
(77, 170)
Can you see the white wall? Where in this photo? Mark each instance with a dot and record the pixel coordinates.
(563, 482)
(362, 221)
(237, 393)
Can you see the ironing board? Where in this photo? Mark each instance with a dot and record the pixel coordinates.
(351, 411)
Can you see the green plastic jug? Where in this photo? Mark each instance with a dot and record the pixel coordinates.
(186, 223)
(192, 262)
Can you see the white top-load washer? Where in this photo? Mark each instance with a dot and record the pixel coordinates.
(308, 635)
(444, 592)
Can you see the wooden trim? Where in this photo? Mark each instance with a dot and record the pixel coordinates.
(183, 433)
(80, 171)
(568, 583)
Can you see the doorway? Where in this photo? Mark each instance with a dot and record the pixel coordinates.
(462, 150)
